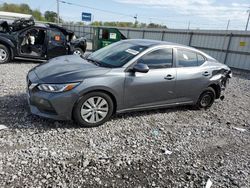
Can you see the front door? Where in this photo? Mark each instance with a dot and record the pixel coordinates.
(32, 43)
(155, 88)
(57, 44)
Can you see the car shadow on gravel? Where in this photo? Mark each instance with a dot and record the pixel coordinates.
(15, 114)
(154, 111)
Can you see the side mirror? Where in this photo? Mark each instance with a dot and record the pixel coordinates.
(140, 67)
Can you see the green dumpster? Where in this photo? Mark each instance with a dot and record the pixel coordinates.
(105, 36)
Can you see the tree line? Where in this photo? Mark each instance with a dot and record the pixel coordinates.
(51, 16)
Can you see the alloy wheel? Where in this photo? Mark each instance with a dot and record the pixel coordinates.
(3, 55)
(77, 52)
(94, 109)
(206, 100)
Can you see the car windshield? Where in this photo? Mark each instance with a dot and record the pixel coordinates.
(117, 54)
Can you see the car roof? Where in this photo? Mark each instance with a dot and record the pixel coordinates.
(153, 43)
(53, 26)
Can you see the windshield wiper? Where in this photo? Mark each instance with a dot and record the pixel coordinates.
(99, 63)
(94, 61)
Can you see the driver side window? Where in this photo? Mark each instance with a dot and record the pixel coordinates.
(161, 58)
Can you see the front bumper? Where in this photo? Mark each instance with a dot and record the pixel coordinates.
(58, 106)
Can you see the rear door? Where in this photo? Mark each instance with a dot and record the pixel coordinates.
(57, 44)
(157, 87)
(192, 78)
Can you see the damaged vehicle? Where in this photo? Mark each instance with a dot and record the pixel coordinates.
(26, 40)
(129, 75)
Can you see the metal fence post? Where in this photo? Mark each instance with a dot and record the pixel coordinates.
(190, 39)
(162, 35)
(228, 47)
(128, 33)
(143, 34)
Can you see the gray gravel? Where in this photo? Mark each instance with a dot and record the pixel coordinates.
(178, 147)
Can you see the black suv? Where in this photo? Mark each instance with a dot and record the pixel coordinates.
(26, 40)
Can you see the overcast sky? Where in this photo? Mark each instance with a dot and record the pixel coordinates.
(203, 14)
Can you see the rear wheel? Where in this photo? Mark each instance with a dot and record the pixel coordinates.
(78, 51)
(4, 54)
(206, 99)
(93, 109)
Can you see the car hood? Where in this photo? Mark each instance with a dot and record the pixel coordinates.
(65, 69)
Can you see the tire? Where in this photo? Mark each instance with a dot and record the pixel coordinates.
(78, 51)
(4, 54)
(206, 99)
(93, 109)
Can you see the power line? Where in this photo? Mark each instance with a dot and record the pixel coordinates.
(102, 10)
(197, 24)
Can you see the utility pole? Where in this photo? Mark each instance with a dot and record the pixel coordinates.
(58, 17)
(135, 17)
(224, 40)
(247, 19)
(228, 24)
(188, 25)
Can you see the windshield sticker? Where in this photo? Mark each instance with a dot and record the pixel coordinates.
(134, 52)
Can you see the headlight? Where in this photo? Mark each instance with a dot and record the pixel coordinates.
(57, 87)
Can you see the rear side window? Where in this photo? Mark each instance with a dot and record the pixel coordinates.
(186, 58)
(201, 59)
(162, 58)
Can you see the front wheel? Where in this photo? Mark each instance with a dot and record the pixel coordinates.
(4, 54)
(93, 109)
(206, 99)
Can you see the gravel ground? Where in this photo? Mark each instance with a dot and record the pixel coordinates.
(178, 147)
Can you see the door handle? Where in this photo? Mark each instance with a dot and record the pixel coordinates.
(169, 77)
(206, 73)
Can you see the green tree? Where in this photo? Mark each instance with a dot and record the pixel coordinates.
(22, 8)
(153, 25)
(38, 15)
(127, 24)
(50, 16)
(142, 25)
(96, 23)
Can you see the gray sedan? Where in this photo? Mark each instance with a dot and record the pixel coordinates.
(125, 76)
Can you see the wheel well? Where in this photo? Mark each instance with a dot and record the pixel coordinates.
(111, 96)
(103, 91)
(217, 89)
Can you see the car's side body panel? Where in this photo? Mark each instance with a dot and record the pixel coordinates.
(112, 83)
(140, 87)
(190, 83)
